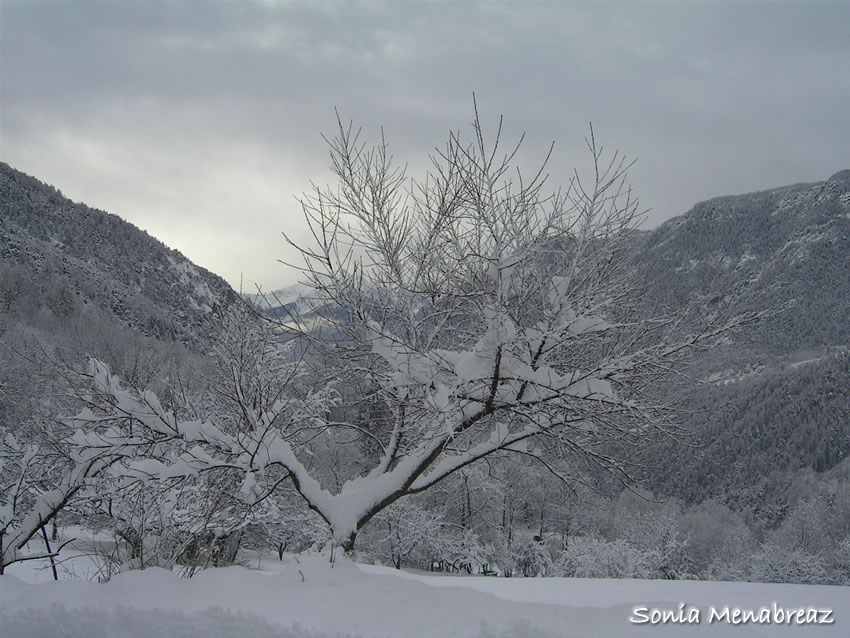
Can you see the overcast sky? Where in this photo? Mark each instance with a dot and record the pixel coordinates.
(201, 122)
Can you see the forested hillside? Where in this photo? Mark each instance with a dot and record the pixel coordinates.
(768, 249)
(752, 436)
(65, 259)
(775, 398)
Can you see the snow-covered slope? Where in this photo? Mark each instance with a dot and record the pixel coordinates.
(785, 249)
(765, 249)
(66, 258)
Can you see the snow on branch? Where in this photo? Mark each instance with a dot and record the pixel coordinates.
(456, 316)
(470, 312)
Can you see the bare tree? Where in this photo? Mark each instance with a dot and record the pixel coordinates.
(457, 316)
(483, 314)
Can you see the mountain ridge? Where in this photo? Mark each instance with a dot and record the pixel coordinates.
(103, 260)
(789, 244)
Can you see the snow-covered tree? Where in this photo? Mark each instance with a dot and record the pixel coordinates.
(188, 474)
(811, 544)
(37, 479)
(483, 315)
(719, 543)
(453, 317)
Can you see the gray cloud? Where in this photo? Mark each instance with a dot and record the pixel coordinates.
(200, 121)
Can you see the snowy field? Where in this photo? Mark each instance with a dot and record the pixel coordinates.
(305, 596)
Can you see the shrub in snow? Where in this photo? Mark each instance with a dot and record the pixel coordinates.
(533, 557)
(591, 557)
(773, 563)
(461, 549)
(406, 534)
(285, 525)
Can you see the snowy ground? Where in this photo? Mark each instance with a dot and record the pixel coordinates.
(305, 597)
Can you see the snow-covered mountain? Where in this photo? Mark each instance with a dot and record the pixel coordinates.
(769, 418)
(281, 303)
(765, 249)
(64, 258)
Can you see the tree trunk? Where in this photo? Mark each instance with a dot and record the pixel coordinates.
(49, 552)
